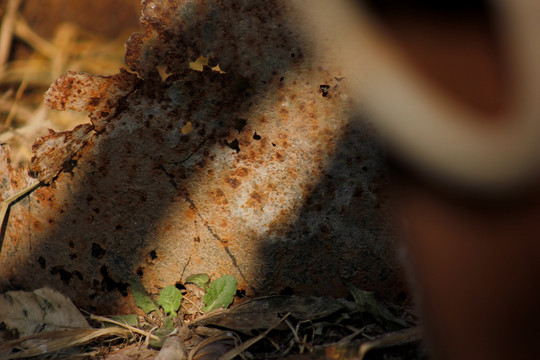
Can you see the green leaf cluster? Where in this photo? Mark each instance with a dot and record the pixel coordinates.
(219, 293)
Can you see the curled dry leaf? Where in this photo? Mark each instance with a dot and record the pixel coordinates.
(53, 151)
(42, 310)
(262, 313)
(99, 95)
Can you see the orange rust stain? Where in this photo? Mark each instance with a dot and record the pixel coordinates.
(219, 197)
(191, 213)
(233, 182)
(279, 157)
(283, 112)
(37, 226)
(255, 200)
(241, 172)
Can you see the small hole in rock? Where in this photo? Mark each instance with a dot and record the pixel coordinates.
(153, 254)
(180, 286)
(256, 136)
(324, 90)
(241, 293)
(239, 124)
(42, 262)
(97, 251)
(233, 145)
(140, 272)
(287, 291)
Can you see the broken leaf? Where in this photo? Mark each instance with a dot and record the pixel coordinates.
(220, 293)
(141, 298)
(170, 299)
(130, 319)
(261, 313)
(201, 280)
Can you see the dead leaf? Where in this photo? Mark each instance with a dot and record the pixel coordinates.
(99, 95)
(262, 313)
(53, 151)
(39, 311)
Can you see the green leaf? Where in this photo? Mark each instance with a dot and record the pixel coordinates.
(201, 280)
(142, 300)
(366, 302)
(220, 293)
(130, 320)
(170, 299)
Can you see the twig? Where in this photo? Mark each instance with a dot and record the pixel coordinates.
(39, 44)
(392, 339)
(7, 203)
(6, 32)
(229, 355)
(195, 305)
(131, 328)
(15, 105)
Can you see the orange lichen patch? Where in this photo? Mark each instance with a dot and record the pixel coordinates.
(188, 128)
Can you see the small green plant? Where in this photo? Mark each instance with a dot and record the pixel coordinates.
(142, 299)
(201, 280)
(170, 299)
(220, 294)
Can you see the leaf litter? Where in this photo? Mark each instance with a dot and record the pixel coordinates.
(271, 327)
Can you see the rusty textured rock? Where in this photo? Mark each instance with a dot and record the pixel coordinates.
(276, 183)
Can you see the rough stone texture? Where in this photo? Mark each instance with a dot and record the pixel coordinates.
(276, 183)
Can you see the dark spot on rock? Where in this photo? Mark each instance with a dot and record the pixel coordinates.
(180, 286)
(97, 251)
(324, 90)
(256, 136)
(42, 262)
(65, 276)
(233, 145)
(139, 271)
(94, 101)
(287, 291)
(153, 254)
(239, 124)
(78, 274)
(110, 284)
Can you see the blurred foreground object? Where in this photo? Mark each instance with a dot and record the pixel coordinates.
(453, 87)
